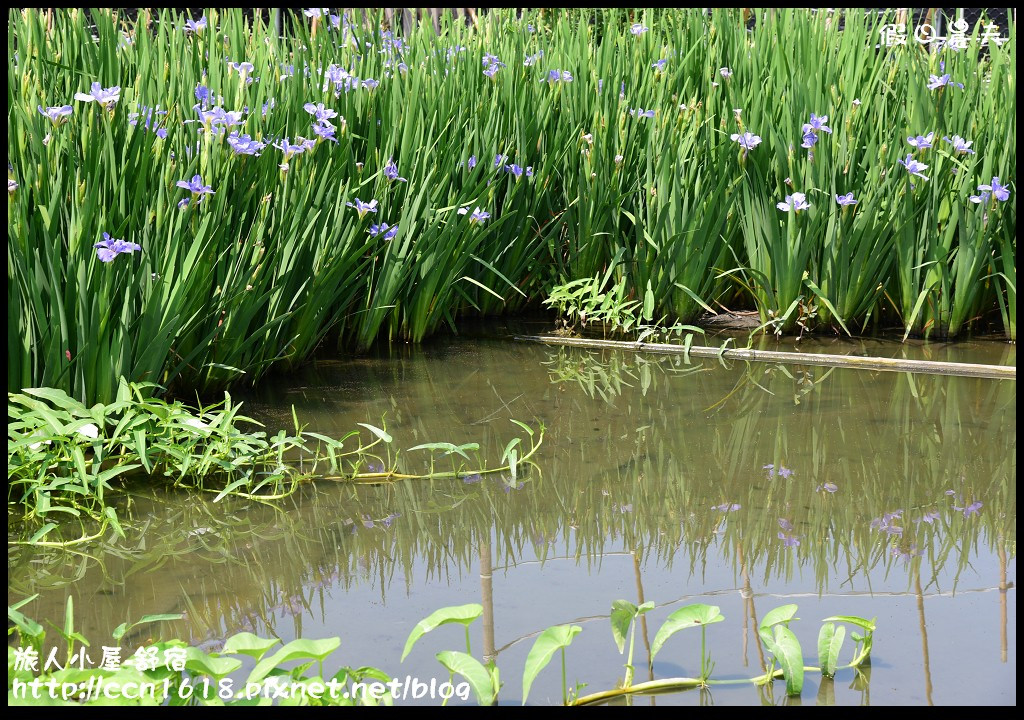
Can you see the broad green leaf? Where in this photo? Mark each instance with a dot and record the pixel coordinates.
(780, 615)
(622, 615)
(685, 617)
(248, 644)
(830, 642)
(216, 667)
(868, 625)
(786, 650)
(295, 650)
(547, 644)
(478, 676)
(376, 431)
(463, 614)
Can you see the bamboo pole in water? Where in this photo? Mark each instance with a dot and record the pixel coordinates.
(930, 367)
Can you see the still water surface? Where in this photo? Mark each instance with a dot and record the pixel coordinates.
(651, 484)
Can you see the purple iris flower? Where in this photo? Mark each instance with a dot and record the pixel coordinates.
(793, 203)
(747, 141)
(325, 131)
(313, 12)
(725, 72)
(202, 93)
(1001, 192)
(489, 59)
(289, 150)
(391, 172)
(478, 215)
(109, 248)
(363, 208)
(921, 142)
(817, 124)
(106, 97)
(242, 67)
(370, 83)
(471, 163)
(492, 69)
(12, 185)
(558, 76)
(641, 113)
(809, 139)
(58, 114)
(659, 65)
(245, 145)
(846, 199)
(532, 59)
(194, 26)
(388, 231)
(914, 167)
(518, 171)
(268, 106)
(935, 82)
(499, 160)
(959, 144)
(196, 187)
(638, 29)
(319, 111)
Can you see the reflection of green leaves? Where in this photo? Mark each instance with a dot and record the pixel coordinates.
(547, 643)
(830, 642)
(462, 614)
(689, 616)
(483, 680)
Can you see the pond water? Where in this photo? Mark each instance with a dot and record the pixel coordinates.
(651, 484)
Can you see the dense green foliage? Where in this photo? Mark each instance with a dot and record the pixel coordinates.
(275, 260)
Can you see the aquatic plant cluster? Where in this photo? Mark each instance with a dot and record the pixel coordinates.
(192, 201)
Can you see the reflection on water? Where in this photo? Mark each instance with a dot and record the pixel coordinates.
(744, 486)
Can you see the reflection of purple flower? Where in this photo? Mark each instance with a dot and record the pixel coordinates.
(628, 508)
(930, 517)
(885, 523)
(374, 467)
(785, 525)
(789, 540)
(367, 522)
(726, 507)
(907, 554)
(386, 522)
(472, 479)
(973, 509)
(785, 472)
(827, 487)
